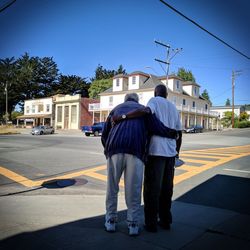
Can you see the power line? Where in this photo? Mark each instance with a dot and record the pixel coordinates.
(7, 5)
(199, 26)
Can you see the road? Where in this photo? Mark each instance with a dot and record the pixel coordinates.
(31, 164)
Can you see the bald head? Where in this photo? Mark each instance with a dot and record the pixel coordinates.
(161, 90)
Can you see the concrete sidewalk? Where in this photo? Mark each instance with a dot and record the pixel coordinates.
(76, 222)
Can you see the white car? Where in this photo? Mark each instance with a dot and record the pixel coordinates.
(40, 130)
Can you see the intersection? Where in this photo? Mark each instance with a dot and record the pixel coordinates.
(196, 161)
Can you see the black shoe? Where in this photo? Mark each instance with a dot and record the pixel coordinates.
(163, 225)
(151, 228)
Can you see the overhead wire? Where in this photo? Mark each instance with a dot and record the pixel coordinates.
(199, 26)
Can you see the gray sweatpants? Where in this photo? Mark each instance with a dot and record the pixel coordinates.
(133, 169)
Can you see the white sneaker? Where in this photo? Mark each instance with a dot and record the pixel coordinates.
(178, 162)
(133, 229)
(110, 225)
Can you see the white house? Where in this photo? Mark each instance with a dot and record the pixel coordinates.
(222, 109)
(193, 108)
(37, 112)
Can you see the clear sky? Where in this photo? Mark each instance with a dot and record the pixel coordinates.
(80, 34)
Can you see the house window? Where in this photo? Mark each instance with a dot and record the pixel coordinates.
(117, 82)
(27, 109)
(47, 107)
(133, 80)
(111, 101)
(195, 90)
(33, 108)
(40, 108)
(193, 104)
(59, 114)
(205, 106)
(184, 102)
(177, 84)
(73, 113)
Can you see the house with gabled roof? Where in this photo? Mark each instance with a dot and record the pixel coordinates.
(193, 108)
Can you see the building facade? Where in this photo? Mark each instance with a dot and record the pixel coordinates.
(59, 111)
(37, 112)
(193, 108)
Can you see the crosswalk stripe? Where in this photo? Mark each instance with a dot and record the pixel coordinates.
(222, 155)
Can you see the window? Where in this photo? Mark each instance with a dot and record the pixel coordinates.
(193, 104)
(195, 90)
(111, 101)
(205, 106)
(47, 107)
(33, 108)
(59, 114)
(40, 108)
(133, 80)
(184, 102)
(73, 113)
(117, 82)
(177, 84)
(27, 109)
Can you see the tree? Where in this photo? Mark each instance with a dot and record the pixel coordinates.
(102, 73)
(25, 78)
(71, 85)
(205, 95)
(186, 75)
(228, 103)
(244, 116)
(227, 119)
(99, 86)
(8, 84)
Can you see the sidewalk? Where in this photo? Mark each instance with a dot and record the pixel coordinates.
(76, 222)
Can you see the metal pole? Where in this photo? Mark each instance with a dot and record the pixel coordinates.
(6, 111)
(233, 99)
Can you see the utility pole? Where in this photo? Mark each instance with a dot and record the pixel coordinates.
(168, 57)
(233, 78)
(234, 74)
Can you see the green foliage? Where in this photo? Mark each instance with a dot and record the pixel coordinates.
(71, 85)
(99, 86)
(186, 75)
(227, 119)
(102, 73)
(244, 116)
(244, 124)
(228, 103)
(205, 95)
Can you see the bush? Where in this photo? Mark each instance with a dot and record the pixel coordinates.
(244, 124)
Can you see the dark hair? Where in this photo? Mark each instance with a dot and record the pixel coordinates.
(161, 90)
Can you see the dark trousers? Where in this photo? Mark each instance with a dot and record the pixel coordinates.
(158, 189)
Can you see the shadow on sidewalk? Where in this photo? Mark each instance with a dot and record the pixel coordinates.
(227, 192)
(222, 191)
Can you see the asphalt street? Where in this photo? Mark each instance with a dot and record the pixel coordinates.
(52, 194)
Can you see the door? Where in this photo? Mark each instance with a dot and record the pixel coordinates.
(66, 117)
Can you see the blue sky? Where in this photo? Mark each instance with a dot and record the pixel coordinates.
(79, 35)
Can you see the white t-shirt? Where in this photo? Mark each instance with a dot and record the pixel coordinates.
(167, 113)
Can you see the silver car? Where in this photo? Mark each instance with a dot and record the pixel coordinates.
(40, 130)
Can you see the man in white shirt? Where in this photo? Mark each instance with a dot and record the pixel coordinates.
(159, 169)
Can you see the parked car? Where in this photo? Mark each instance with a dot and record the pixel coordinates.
(40, 130)
(194, 129)
(95, 129)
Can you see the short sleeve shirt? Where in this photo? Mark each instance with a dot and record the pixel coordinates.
(167, 113)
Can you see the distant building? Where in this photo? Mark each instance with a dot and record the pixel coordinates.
(59, 111)
(222, 109)
(193, 108)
